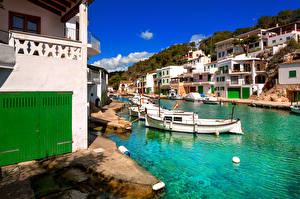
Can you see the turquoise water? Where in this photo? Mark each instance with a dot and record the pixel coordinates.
(200, 166)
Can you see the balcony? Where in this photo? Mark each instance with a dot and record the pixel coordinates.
(93, 47)
(45, 46)
(7, 55)
(93, 76)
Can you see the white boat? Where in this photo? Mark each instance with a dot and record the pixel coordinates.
(193, 97)
(173, 96)
(210, 100)
(138, 100)
(188, 122)
(152, 109)
(295, 108)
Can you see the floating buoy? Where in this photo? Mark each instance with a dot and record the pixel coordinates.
(236, 159)
(124, 150)
(158, 186)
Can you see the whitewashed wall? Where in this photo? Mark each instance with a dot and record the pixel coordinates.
(284, 73)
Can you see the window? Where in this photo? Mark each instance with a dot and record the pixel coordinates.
(167, 80)
(274, 41)
(251, 46)
(234, 80)
(226, 69)
(163, 80)
(178, 119)
(292, 73)
(209, 78)
(217, 79)
(288, 38)
(204, 68)
(167, 118)
(167, 72)
(219, 55)
(200, 76)
(223, 54)
(163, 72)
(215, 65)
(25, 23)
(256, 44)
(223, 79)
(208, 66)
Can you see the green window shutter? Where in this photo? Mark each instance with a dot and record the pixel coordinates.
(164, 73)
(167, 80)
(217, 79)
(163, 80)
(292, 73)
(167, 72)
(204, 68)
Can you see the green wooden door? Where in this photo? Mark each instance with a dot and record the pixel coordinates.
(295, 96)
(34, 125)
(245, 92)
(212, 88)
(234, 93)
(200, 89)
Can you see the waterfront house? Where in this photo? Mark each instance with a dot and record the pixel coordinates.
(126, 87)
(193, 67)
(289, 79)
(166, 75)
(239, 77)
(97, 80)
(43, 78)
(149, 83)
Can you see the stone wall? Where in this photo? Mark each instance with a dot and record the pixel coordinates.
(280, 93)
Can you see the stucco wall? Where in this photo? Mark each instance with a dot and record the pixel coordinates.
(37, 73)
(50, 22)
(284, 74)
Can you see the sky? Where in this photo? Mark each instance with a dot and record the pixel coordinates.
(133, 30)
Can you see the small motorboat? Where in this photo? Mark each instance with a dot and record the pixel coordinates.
(173, 96)
(295, 108)
(193, 97)
(210, 100)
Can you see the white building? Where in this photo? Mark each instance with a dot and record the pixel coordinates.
(149, 83)
(239, 77)
(46, 76)
(282, 34)
(126, 87)
(289, 73)
(191, 55)
(97, 80)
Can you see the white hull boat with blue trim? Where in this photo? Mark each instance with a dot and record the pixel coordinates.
(295, 108)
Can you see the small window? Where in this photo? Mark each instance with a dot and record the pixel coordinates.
(167, 72)
(288, 38)
(163, 80)
(177, 119)
(167, 80)
(215, 65)
(163, 72)
(274, 41)
(256, 44)
(25, 23)
(167, 118)
(217, 79)
(292, 73)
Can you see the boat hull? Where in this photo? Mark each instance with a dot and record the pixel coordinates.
(210, 102)
(133, 112)
(229, 127)
(295, 110)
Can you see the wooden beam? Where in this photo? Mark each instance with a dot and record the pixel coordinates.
(62, 3)
(38, 3)
(50, 3)
(71, 13)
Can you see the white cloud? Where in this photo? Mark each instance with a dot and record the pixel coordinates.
(146, 35)
(120, 63)
(197, 37)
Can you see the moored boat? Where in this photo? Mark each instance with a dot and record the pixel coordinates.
(210, 100)
(193, 97)
(173, 96)
(188, 122)
(295, 108)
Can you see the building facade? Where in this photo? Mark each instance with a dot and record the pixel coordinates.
(47, 70)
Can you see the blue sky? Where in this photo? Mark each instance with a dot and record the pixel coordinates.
(132, 30)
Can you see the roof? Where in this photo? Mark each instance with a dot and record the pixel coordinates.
(251, 32)
(224, 41)
(296, 22)
(66, 9)
(291, 62)
(96, 67)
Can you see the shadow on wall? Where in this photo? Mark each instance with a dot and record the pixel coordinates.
(4, 74)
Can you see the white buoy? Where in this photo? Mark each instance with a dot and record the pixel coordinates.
(124, 150)
(158, 186)
(236, 159)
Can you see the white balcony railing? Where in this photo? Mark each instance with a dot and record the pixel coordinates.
(47, 46)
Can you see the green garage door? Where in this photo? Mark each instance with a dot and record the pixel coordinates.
(200, 89)
(234, 92)
(245, 92)
(34, 125)
(212, 88)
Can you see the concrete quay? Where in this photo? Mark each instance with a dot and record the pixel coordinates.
(102, 171)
